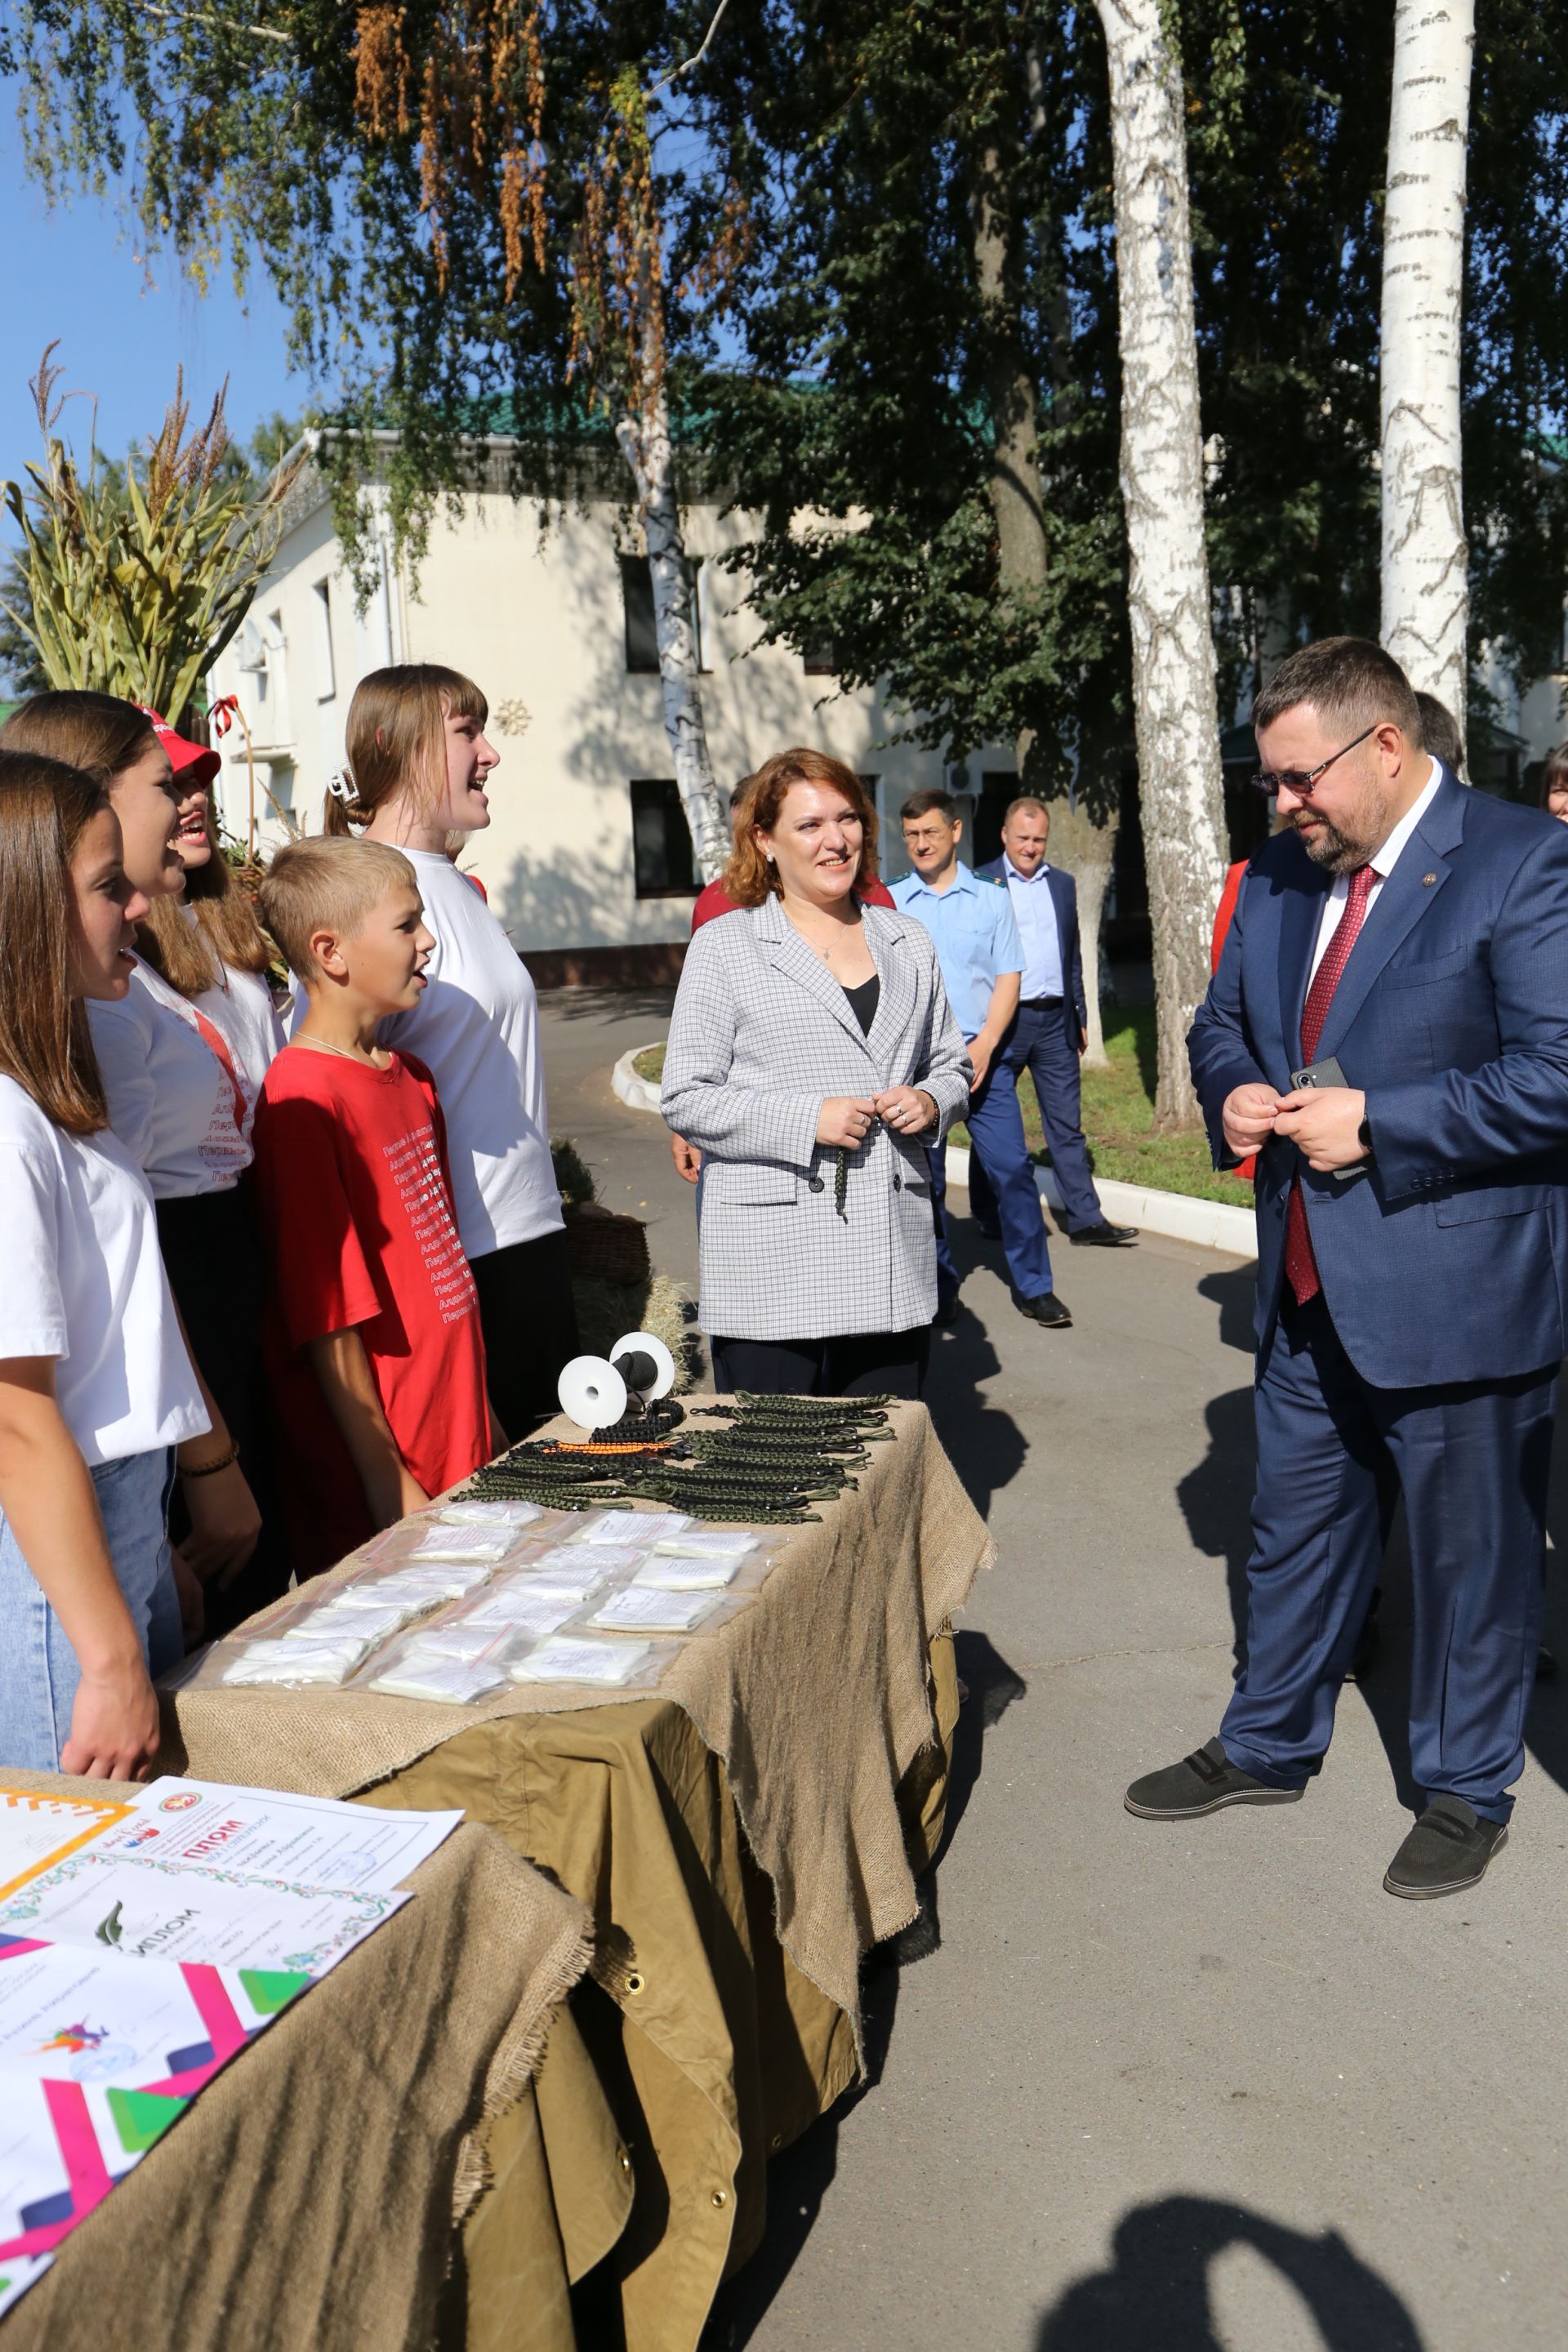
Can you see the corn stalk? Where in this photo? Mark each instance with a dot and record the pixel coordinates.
(135, 588)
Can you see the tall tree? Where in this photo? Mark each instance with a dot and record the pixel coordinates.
(922, 418)
(1174, 684)
(1425, 584)
(465, 211)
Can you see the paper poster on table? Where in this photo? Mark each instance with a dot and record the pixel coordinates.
(143, 1943)
(97, 2061)
(40, 1826)
(307, 1840)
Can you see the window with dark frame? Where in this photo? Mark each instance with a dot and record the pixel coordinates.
(662, 861)
(820, 657)
(642, 631)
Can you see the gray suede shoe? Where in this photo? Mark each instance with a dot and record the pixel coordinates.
(1448, 1850)
(1202, 1783)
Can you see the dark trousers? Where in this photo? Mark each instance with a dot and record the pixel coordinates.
(217, 1271)
(1472, 1462)
(998, 1152)
(1039, 1041)
(859, 1363)
(530, 1322)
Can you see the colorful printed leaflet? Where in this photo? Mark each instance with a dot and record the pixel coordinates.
(98, 2057)
(139, 1955)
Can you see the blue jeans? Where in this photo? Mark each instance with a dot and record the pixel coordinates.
(38, 1669)
(1039, 1041)
(997, 1151)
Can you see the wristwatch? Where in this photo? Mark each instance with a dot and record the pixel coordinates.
(1364, 1137)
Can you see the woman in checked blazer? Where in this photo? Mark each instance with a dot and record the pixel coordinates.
(812, 1057)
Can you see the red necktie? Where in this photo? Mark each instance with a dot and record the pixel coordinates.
(1300, 1264)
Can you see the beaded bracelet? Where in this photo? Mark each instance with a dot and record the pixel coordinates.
(209, 1469)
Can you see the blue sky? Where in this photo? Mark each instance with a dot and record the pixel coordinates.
(74, 273)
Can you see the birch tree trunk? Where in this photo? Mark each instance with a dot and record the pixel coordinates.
(1180, 789)
(645, 442)
(1083, 837)
(1426, 586)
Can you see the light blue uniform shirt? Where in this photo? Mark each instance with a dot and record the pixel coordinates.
(976, 938)
(1038, 928)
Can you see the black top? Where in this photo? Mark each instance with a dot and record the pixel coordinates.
(863, 1002)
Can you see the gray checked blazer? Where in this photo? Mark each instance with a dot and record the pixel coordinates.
(762, 1034)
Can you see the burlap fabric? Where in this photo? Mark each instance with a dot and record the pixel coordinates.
(308, 2196)
(815, 1696)
(715, 2049)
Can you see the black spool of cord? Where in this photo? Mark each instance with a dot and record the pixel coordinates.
(639, 1370)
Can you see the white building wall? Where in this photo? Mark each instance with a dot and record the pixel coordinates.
(536, 619)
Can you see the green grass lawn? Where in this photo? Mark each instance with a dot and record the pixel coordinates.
(1118, 1117)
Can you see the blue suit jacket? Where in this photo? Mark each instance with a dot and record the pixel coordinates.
(1064, 897)
(1446, 1261)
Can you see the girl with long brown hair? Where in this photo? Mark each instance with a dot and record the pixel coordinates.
(180, 1079)
(96, 1387)
(418, 766)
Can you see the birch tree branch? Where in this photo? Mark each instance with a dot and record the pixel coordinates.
(696, 59)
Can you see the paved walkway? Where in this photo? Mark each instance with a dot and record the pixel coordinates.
(1200, 2089)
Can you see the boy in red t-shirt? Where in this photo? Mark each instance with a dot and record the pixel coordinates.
(374, 1314)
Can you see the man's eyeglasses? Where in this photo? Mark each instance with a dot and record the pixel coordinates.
(1302, 781)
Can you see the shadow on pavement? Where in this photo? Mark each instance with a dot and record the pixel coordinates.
(1232, 1293)
(800, 2177)
(1155, 2296)
(1216, 1497)
(651, 1003)
(987, 1447)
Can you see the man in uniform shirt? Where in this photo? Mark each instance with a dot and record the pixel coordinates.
(978, 948)
(1052, 1027)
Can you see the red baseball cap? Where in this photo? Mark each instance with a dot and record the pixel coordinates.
(193, 763)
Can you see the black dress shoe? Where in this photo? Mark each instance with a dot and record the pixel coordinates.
(1103, 1236)
(1202, 1783)
(1448, 1850)
(1048, 1310)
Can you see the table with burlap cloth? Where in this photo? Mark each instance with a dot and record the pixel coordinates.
(742, 1838)
(371, 2166)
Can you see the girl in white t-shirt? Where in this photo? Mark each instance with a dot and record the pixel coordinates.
(181, 1072)
(96, 1387)
(418, 763)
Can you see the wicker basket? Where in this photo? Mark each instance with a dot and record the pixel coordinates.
(605, 1245)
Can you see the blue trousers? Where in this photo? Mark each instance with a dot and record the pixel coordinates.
(995, 1127)
(1038, 1042)
(40, 1674)
(1472, 1461)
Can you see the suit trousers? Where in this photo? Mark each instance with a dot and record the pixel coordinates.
(999, 1152)
(1472, 1461)
(1039, 1041)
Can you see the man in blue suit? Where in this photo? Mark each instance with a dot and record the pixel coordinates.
(1051, 1029)
(1401, 948)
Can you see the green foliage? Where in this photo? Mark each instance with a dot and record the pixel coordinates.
(573, 1174)
(1119, 1120)
(132, 579)
(873, 360)
(427, 264)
